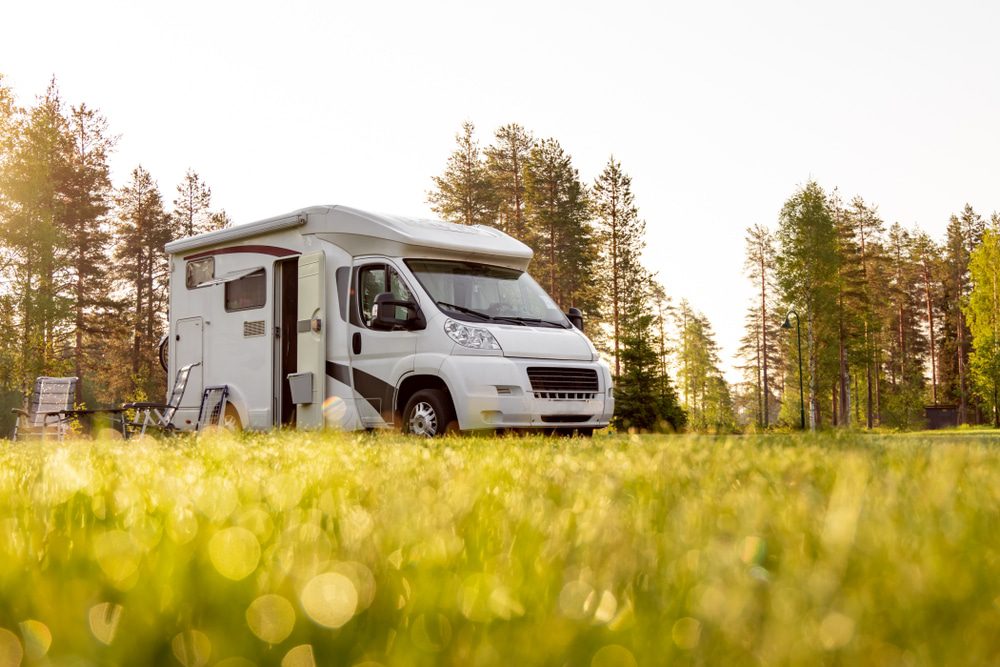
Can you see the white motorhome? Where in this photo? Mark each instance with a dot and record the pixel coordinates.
(334, 317)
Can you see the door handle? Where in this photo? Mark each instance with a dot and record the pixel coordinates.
(356, 342)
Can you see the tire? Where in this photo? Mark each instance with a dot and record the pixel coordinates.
(429, 414)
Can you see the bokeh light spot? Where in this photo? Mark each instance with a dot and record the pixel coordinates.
(613, 655)
(117, 555)
(11, 652)
(182, 524)
(299, 656)
(836, 630)
(271, 617)
(607, 606)
(104, 619)
(504, 604)
(577, 600)
(330, 599)
(334, 409)
(37, 638)
(235, 661)
(686, 632)
(362, 578)
(283, 491)
(218, 500)
(192, 648)
(235, 552)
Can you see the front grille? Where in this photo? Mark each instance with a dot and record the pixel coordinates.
(566, 419)
(566, 384)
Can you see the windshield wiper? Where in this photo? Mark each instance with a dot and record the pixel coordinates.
(536, 320)
(463, 309)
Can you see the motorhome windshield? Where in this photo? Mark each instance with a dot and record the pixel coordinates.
(481, 292)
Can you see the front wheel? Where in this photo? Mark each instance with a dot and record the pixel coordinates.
(428, 413)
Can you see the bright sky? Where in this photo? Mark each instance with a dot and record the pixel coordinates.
(717, 110)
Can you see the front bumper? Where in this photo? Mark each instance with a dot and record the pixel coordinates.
(495, 392)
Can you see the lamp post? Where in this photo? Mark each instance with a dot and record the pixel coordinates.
(787, 324)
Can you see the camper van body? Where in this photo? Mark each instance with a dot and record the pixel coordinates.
(291, 296)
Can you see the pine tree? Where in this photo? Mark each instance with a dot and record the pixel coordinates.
(758, 345)
(142, 230)
(463, 193)
(807, 270)
(905, 349)
(866, 228)
(705, 395)
(964, 233)
(87, 237)
(620, 236)
(192, 214)
(506, 163)
(557, 212)
(645, 399)
(926, 258)
(34, 184)
(9, 114)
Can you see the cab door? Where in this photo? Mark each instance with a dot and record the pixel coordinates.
(379, 359)
(311, 336)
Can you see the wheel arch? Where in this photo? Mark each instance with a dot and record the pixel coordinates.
(411, 384)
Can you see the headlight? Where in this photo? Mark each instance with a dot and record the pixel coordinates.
(476, 338)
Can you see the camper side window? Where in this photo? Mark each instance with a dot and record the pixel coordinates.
(247, 292)
(199, 271)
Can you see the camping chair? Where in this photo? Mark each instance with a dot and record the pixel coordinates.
(160, 415)
(213, 406)
(46, 410)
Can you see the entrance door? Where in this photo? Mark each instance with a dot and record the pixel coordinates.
(378, 358)
(188, 350)
(286, 313)
(311, 336)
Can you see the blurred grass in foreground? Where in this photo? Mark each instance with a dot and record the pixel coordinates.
(337, 549)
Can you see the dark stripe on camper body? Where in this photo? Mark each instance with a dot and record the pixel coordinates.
(339, 372)
(274, 251)
(375, 391)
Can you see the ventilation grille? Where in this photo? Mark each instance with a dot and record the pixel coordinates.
(566, 419)
(565, 384)
(254, 328)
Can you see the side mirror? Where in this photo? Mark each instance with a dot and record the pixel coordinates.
(575, 318)
(386, 305)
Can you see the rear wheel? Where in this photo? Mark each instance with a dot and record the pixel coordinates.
(231, 419)
(428, 413)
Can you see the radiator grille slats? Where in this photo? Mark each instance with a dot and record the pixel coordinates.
(567, 384)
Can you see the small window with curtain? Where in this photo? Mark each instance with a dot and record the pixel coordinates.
(246, 293)
(197, 272)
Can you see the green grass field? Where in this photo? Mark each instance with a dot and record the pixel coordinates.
(293, 549)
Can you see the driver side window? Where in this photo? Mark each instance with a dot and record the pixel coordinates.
(373, 280)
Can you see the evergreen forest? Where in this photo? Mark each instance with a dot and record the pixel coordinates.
(890, 319)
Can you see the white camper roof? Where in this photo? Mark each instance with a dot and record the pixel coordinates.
(362, 232)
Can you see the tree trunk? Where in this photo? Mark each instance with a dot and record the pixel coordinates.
(763, 333)
(960, 334)
(813, 396)
(930, 334)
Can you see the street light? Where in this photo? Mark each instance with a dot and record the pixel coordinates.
(787, 324)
